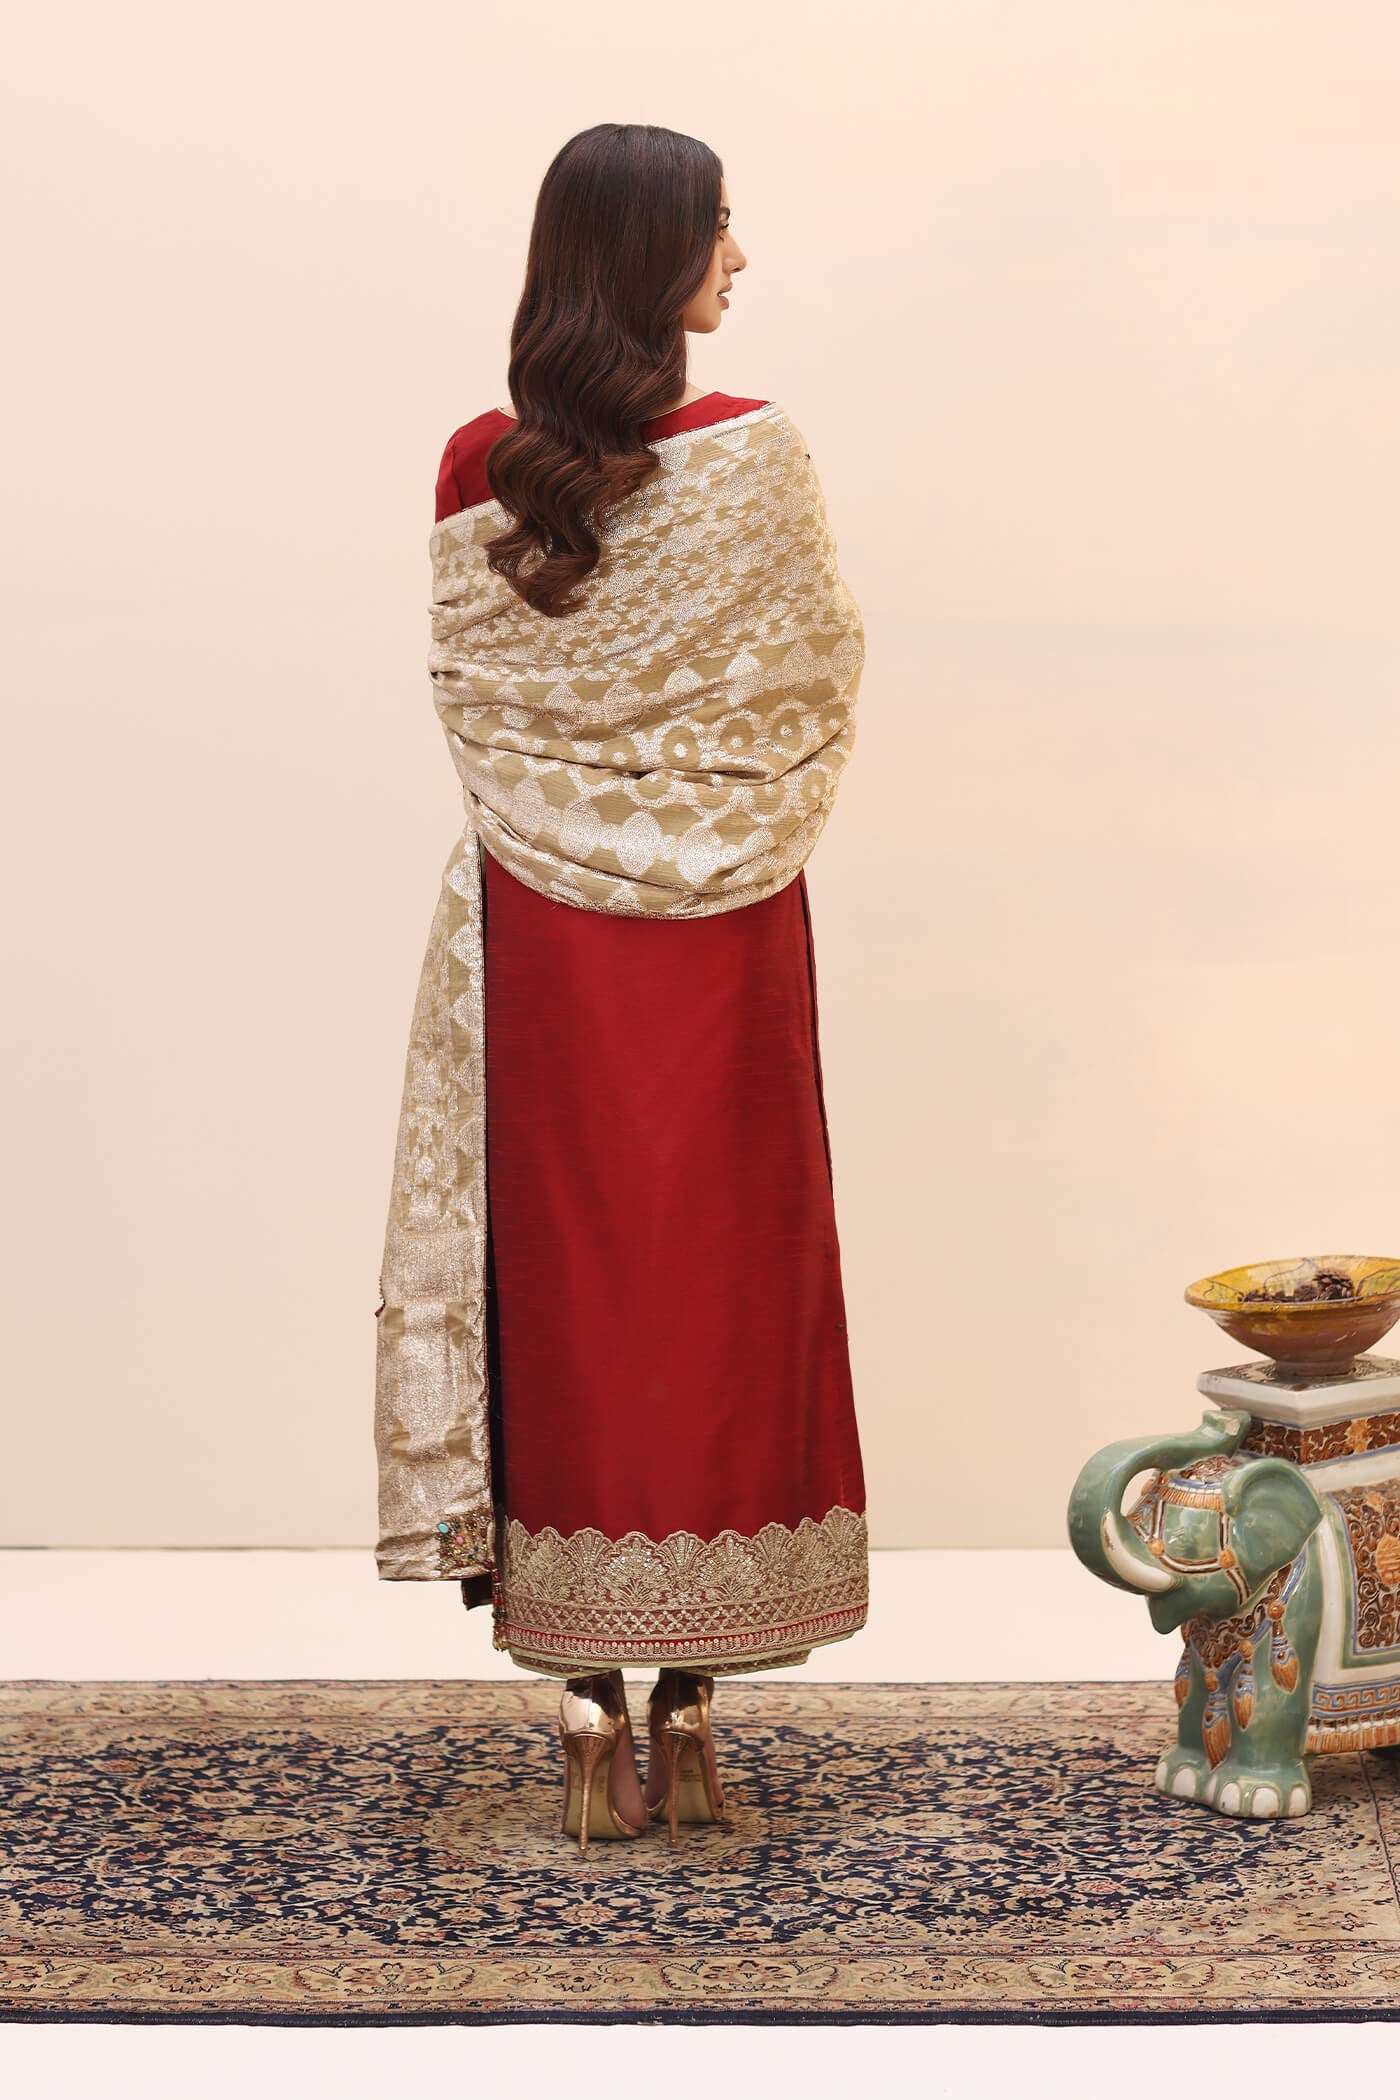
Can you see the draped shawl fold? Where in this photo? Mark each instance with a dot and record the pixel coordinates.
(669, 751)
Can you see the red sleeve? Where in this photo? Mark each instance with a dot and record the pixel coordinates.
(449, 500)
(462, 479)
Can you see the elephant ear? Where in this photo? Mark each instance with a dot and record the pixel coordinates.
(1273, 1510)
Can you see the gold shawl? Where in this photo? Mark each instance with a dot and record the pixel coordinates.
(671, 750)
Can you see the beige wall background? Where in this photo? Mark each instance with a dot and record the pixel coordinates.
(1088, 310)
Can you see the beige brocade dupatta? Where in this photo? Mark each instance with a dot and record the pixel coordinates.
(670, 751)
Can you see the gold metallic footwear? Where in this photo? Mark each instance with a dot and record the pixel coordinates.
(682, 1752)
(593, 1727)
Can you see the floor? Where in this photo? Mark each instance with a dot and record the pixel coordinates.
(935, 1616)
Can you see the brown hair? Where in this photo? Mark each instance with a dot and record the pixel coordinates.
(623, 238)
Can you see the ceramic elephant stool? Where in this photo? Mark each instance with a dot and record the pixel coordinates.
(1272, 1539)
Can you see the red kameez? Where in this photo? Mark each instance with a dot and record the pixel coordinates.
(669, 1330)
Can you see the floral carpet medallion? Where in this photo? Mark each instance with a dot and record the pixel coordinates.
(344, 1852)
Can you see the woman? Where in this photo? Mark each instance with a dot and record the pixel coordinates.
(615, 1400)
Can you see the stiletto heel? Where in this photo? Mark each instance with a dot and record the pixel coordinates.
(683, 1750)
(593, 1727)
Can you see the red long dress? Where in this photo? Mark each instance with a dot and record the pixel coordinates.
(676, 1450)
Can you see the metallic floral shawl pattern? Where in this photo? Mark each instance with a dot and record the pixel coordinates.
(671, 750)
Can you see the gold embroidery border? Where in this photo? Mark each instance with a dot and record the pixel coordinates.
(570, 1604)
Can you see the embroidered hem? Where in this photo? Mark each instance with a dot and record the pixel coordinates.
(568, 1605)
(703, 1665)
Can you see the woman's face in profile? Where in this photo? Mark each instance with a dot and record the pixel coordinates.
(705, 311)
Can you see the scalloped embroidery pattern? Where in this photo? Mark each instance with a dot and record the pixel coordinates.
(574, 1603)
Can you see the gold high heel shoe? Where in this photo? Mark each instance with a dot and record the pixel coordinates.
(593, 1726)
(683, 1750)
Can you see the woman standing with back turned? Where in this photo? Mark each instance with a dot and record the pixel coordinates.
(614, 1401)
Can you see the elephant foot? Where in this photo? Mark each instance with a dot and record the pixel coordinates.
(1280, 1791)
(1183, 1774)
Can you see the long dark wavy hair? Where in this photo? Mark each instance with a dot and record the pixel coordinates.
(623, 238)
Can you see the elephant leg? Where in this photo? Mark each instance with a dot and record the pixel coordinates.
(1265, 1772)
(1183, 1771)
(1282, 1788)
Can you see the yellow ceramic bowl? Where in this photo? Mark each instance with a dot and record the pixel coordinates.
(1317, 1337)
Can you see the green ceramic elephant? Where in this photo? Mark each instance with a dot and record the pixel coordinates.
(1224, 1546)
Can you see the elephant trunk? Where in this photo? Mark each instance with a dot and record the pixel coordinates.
(1103, 1541)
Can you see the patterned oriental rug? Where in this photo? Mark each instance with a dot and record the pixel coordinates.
(380, 1852)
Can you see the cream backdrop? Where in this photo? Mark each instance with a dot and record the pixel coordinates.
(1088, 310)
